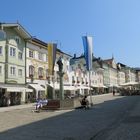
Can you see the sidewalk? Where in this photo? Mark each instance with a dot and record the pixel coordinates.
(95, 99)
(16, 107)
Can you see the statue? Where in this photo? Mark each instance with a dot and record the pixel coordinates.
(60, 64)
(60, 73)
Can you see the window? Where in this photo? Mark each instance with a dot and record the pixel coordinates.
(46, 57)
(12, 51)
(0, 69)
(73, 80)
(31, 53)
(17, 39)
(47, 72)
(31, 71)
(40, 56)
(20, 72)
(20, 55)
(77, 79)
(12, 70)
(0, 50)
(40, 73)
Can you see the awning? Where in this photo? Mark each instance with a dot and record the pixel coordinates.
(37, 87)
(70, 88)
(28, 90)
(14, 89)
(83, 87)
(94, 86)
(130, 84)
(102, 86)
(57, 87)
(17, 89)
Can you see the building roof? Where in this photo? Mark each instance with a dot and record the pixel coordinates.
(109, 61)
(36, 40)
(137, 69)
(18, 28)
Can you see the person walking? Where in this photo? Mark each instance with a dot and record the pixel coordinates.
(113, 92)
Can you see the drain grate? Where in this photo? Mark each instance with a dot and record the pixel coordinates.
(132, 119)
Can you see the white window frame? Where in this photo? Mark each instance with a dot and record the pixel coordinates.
(20, 72)
(31, 70)
(47, 57)
(40, 72)
(20, 56)
(0, 70)
(12, 71)
(40, 56)
(31, 53)
(1, 50)
(12, 51)
(17, 39)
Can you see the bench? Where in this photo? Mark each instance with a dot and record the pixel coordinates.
(52, 105)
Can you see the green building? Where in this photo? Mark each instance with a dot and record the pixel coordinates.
(12, 63)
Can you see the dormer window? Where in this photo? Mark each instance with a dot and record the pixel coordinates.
(17, 39)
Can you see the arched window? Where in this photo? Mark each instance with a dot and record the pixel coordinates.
(47, 74)
(40, 73)
(31, 71)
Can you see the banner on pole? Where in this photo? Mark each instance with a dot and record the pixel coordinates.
(87, 43)
(51, 57)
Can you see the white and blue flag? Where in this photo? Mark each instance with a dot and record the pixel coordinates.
(87, 43)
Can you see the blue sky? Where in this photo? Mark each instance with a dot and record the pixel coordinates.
(114, 25)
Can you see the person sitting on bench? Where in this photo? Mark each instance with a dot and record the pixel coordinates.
(39, 104)
(85, 102)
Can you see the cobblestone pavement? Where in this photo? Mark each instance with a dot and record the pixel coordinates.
(111, 118)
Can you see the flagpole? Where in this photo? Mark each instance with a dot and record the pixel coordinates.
(91, 103)
(87, 43)
(53, 87)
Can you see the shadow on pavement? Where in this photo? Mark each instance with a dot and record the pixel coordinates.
(78, 124)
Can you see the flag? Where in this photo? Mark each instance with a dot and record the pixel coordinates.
(51, 57)
(87, 43)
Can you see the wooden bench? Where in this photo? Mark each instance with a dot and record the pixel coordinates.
(52, 105)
